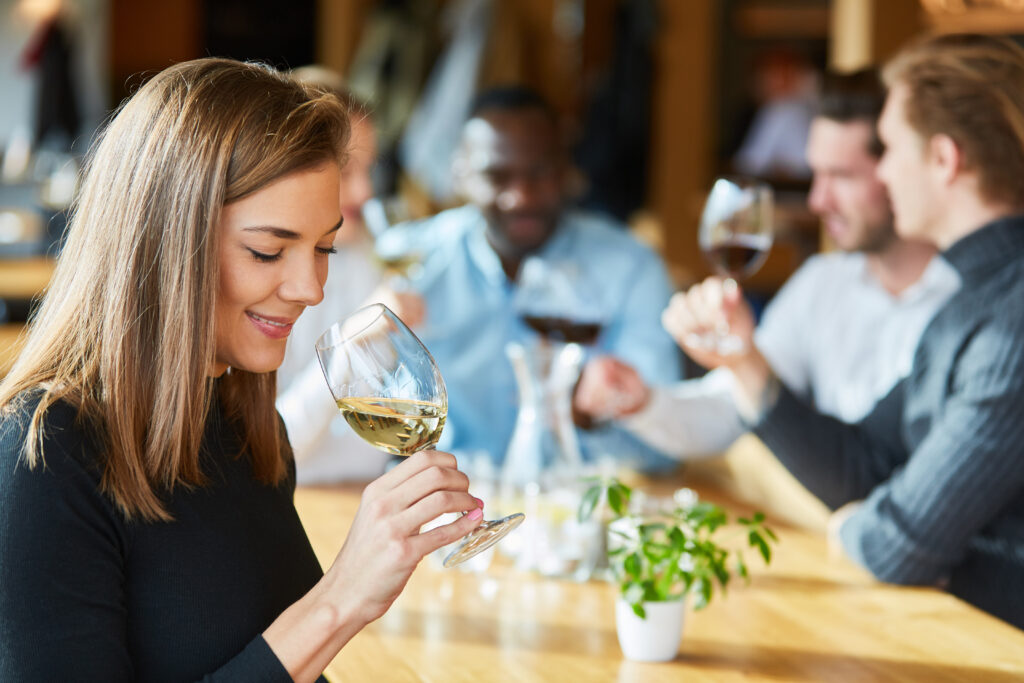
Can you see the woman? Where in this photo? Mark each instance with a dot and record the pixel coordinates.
(146, 484)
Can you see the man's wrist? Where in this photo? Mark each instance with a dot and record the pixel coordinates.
(756, 387)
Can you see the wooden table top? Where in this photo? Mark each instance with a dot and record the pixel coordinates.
(807, 617)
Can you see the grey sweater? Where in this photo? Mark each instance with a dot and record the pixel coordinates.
(939, 462)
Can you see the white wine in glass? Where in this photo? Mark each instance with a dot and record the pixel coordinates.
(735, 236)
(390, 391)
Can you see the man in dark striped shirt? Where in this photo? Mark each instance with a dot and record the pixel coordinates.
(930, 486)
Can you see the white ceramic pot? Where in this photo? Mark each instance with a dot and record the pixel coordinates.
(654, 639)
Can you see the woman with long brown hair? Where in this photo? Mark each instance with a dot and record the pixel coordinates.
(147, 527)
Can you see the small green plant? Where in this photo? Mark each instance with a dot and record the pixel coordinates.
(670, 553)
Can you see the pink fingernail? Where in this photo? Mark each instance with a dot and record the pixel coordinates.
(479, 503)
(476, 514)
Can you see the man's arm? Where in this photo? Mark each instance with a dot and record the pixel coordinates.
(691, 418)
(917, 525)
(836, 461)
(699, 417)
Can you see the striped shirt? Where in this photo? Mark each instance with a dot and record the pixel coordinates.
(939, 462)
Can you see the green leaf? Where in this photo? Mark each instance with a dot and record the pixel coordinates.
(633, 564)
(678, 538)
(638, 610)
(656, 552)
(771, 534)
(721, 573)
(758, 517)
(757, 541)
(741, 567)
(615, 501)
(588, 503)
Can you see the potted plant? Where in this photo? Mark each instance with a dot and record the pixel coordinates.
(660, 556)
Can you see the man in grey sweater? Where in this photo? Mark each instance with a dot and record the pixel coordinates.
(930, 486)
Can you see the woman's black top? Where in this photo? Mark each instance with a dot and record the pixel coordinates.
(87, 596)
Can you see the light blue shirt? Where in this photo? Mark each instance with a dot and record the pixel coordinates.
(471, 315)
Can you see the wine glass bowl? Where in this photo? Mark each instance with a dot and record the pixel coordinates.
(390, 392)
(553, 300)
(735, 232)
(735, 236)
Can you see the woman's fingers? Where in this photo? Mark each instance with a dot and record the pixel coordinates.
(435, 477)
(440, 536)
(408, 468)
(434, 505)
(428, 475)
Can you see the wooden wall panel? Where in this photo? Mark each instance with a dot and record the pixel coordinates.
(149, 35)
(684, 128)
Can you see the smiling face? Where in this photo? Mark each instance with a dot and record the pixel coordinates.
(511, 166)
(273, 253)
(846, 192)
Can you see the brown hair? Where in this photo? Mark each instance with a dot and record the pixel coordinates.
(971, 88)
(852, 97)
(126, 330)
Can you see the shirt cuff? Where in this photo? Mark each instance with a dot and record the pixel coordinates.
(752, 416)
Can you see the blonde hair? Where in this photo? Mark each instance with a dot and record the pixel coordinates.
(971, 88)
(126, 330)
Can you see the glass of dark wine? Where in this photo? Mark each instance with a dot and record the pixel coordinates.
(554, 302)
(390, 392)
(735, 236)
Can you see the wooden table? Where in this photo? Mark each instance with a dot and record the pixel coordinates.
(808, 617)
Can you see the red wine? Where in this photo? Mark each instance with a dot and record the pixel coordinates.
(740, 256)
(564, 329)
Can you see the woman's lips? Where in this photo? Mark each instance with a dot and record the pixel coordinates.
(275, 328)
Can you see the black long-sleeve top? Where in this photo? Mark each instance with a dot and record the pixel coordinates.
(940, 461)
(87, 596)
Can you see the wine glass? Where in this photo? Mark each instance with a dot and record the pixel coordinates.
(390, 392)
(735, 236)
(401, 266)
(554, 301)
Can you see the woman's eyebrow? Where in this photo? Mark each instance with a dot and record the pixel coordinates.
(285, 233)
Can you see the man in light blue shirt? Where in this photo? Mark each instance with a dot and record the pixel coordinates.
(511, 167)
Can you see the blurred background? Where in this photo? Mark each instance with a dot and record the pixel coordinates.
(656, 97)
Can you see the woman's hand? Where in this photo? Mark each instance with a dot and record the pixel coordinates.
(384, 544)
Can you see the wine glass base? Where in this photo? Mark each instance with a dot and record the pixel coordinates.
(721, 344)
(482, 538)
